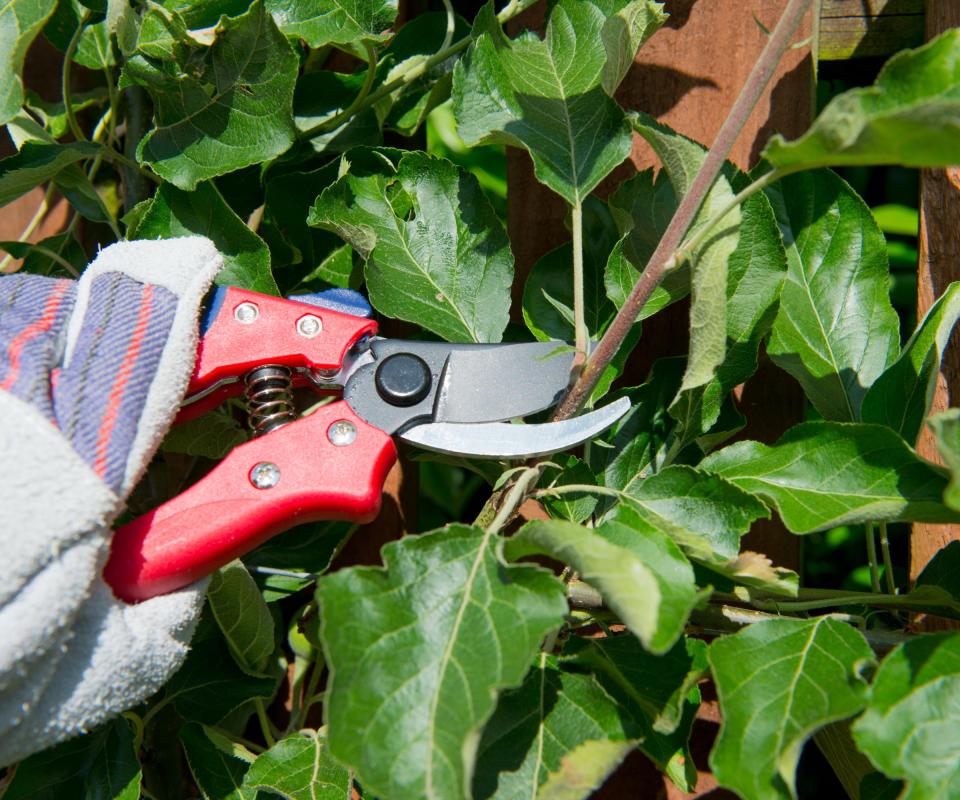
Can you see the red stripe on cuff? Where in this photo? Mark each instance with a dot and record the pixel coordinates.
(120, 382)
(41, 325)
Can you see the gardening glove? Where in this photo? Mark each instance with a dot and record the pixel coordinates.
(92, 373)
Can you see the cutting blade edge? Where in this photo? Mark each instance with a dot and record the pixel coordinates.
(505, 441)
(502, 382)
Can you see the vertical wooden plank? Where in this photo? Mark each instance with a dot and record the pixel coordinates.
(939, 265)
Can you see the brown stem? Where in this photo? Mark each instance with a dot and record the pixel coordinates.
(664, 256)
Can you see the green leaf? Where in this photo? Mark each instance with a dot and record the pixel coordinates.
(901, 397)
(37, 163)
(910, 727)
(552, 95)
(778, 682)
(627, 27)
(642, 207)
(38, 258)
(823, 474)
(80, 192)
(20, 22)
(299, 767)
(219, 775)
(173, 213)
(217, 108)
(242, 615)
(101, 764)
(212, 435)
(575, 507)
(337, 22)
(946, 430)
(287, 201)
(682, 159)
(94, 49)
(448, 268)
(418, 650)
(937, 588)
(636, 444)
(584, 769)
(658, 693)
(541, 723)
(658, 687)
(705, 514)
(210, 685)
(643, 577)
(835, 331)
(909, 116)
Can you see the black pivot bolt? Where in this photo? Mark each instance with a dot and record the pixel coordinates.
(403, 379)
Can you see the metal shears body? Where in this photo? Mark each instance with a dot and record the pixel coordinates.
(332, 463)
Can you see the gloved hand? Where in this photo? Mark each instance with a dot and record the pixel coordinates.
(91, 377)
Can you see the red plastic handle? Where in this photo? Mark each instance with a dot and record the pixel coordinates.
(225, 515)
(250, 329)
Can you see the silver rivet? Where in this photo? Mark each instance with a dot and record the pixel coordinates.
(342, 433)
(265, 475)
(246, 313)
(309, 326)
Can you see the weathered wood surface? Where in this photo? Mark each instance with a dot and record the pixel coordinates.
(868, 28)
(939, 266)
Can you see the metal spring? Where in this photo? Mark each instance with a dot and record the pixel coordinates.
(269, 394)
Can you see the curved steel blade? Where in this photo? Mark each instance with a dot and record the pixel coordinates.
(491, 384)
(469, 382)
(503, 440)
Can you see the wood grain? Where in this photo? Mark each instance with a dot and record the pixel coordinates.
(868, 28)
(939, 266)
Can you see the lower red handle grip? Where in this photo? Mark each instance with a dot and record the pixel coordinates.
(328, 465)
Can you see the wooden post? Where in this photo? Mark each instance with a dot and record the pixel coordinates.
(939, 265)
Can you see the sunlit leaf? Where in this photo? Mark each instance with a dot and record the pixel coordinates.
(20, 22)
(910, 116)
(911, 726)
(552, 95)
(220, 107)
(902, 396)
(448, 268)
(835, 331)
(418, 651)
(779, 681)
(820, 475)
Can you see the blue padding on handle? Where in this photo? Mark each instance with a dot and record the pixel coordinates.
(213, 308)
(346, 301)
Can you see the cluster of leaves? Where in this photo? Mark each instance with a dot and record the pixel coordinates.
(460, 668)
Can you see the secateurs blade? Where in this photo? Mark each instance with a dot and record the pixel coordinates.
(332, 463)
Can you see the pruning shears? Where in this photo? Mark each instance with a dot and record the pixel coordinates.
(332, 463)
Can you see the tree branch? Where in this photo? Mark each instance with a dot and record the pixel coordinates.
(664, 256)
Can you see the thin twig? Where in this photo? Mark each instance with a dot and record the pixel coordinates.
(75, 128)
(451, 25)
(581, 336)
(872, 557)
(358, 102)
(663, 256)
(887, 561)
